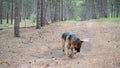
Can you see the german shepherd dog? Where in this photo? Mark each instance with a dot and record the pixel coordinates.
(70, 41)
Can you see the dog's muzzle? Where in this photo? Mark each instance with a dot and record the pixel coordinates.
(77, 49)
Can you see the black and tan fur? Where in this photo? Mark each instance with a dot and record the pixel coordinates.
(70, 41)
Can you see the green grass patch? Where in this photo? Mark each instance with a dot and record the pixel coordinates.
(118, 50)
(27, 23)
(117, 20)
(23, 23)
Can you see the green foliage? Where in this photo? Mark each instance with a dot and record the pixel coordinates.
(33, 17)
(118, 50)
(4, 25)
(26, 23)
(8, 1)
(76, 4)
(115, 19)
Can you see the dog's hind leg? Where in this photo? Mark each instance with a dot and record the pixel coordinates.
(63, 44)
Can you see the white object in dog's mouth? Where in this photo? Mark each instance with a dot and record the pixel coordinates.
(86, 39)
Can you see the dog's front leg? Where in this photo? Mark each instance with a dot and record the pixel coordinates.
(72, 51)
(63, 45)
(67, 54)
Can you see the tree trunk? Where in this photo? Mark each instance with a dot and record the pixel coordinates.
(58, 9)
(8, 7)
(52, 10)
(42, 13)
(12, 12)
(117, 8)
(93, 14)
(38, 15)
(17, 22)
(20, 16)
(1, 11)
(45, 12)
(62, 10)
(55, 14)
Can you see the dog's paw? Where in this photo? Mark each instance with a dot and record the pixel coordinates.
(71, 56)
(75, 52)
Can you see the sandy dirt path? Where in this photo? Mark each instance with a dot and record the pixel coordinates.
(42, 48)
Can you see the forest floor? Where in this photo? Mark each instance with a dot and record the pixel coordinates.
(41, 48)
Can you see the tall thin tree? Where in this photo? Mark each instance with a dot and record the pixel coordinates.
(42, 13)
(12, 12)
(62, 1)
(8, 8)
(1, 11)
(38, 15)
(17, 22)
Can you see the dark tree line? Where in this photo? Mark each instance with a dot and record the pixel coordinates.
(53, 10)
(40, 11)
(100, 8)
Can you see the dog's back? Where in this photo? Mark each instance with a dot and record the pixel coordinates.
(66, 35)
(69, 36)
(73, 38)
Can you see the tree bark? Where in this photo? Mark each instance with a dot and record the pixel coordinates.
(55, 14)
(8, 7)
(1, 11)
(62, 10)
(17, 22)
(38, 15)
(59, 9)
(12, 12)
(42, 13)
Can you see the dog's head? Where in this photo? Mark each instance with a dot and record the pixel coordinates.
(78, 46)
